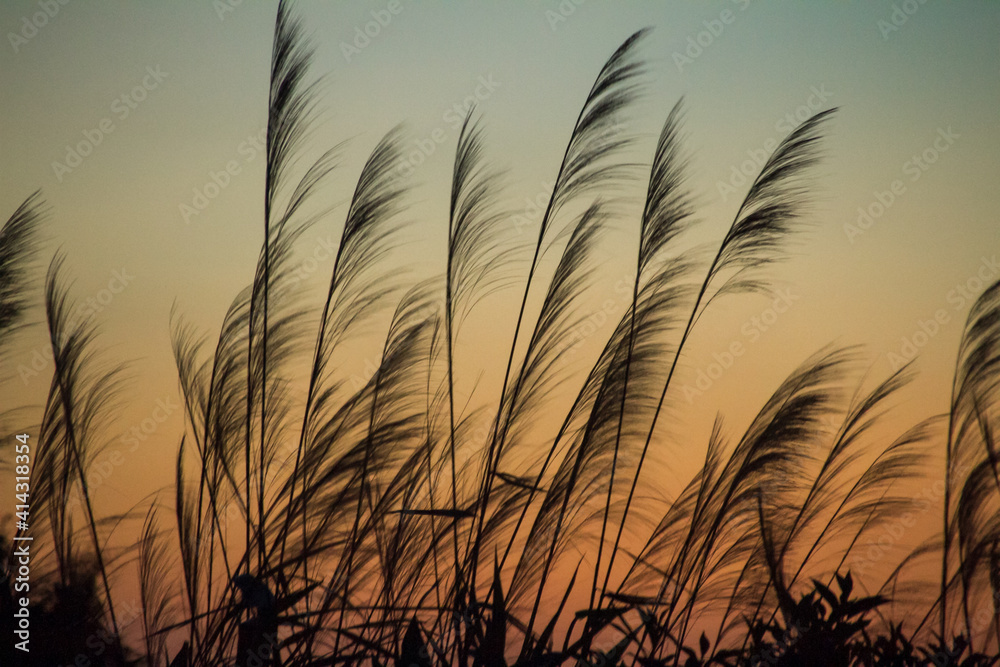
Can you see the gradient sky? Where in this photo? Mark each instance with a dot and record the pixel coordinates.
(934, 79)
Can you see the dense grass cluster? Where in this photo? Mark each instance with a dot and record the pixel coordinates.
(320, 522)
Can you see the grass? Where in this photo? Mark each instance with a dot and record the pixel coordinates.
(379, 524)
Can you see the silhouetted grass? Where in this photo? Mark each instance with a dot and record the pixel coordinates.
(319, 523)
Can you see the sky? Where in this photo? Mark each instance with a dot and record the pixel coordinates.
(127, 116)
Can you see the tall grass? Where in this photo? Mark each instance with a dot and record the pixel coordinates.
(320, 523)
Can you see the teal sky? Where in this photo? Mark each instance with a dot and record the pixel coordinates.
(934, 79)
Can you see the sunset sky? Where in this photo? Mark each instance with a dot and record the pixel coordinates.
(127, 115)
